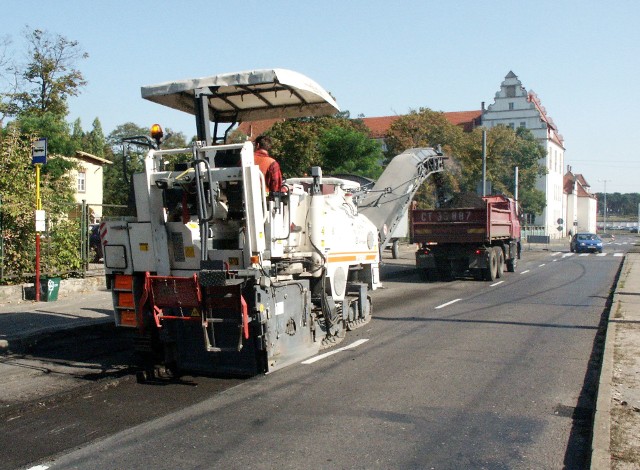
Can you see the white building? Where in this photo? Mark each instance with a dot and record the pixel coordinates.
(88, 182)
(581, 204)
(515, 107)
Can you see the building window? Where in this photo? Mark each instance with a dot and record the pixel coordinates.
(512, 125)
(510, 106)
(523, 124)
(82, 181)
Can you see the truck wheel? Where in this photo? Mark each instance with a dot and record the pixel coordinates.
(511, 265)
(500, 263)
(491, 271)
(395, 249)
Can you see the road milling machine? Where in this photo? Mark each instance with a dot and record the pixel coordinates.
(218, 276)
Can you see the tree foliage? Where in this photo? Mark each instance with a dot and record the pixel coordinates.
(17, 187)
(37, 100)
(423, 128)
(336, 143)
(506, 149)
(619, 204)
(49, 77)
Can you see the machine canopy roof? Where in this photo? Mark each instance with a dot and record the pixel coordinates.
(247, 96)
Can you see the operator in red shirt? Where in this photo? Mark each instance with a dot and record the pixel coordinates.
(268, 166)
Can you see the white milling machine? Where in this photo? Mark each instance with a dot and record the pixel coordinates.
(216, 275)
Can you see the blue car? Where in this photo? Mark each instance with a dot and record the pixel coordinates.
(585, 242)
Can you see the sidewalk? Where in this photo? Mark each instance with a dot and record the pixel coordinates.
(616, 433)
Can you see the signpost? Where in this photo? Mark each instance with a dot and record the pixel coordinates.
(39, 158)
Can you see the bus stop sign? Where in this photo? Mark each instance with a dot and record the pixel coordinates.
(39, 151)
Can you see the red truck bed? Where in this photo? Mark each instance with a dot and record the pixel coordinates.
(497, 220)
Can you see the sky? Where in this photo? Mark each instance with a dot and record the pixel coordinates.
(377, 58)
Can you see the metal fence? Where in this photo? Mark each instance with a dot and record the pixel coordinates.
(84, 220)
(532, 230)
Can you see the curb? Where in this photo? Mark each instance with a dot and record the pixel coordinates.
(601, 440)
(20, 293)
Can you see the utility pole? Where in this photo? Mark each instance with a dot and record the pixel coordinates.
(605, 205)
(484, 162)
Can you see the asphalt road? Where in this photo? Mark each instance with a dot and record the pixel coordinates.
(447, 375)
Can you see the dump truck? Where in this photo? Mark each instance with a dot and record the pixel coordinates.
(215, 274)
(480, 240)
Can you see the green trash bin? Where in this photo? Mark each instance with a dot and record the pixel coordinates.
(49, 288)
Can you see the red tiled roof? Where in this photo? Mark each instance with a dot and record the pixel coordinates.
(378, 126)
(464, 117)
(570, 179)
(253, 129)
(582, 181)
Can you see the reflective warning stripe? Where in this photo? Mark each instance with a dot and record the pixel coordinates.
(358, 256)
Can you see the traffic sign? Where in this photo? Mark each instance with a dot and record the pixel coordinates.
(39, 151)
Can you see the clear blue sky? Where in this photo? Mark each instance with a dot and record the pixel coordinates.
(378, 58)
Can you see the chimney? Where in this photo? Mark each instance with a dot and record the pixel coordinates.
(482, 106)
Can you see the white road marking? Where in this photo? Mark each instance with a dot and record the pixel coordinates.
(602, 254)
(566, 255)
(39, 467)
(583, 254)
(525, 272)
(448, 303)
(618, 254)
(542, 265)
(331, 353)
(556, 253)
(496, 283)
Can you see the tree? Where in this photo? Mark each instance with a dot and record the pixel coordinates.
(350, 151)
(428, 128)
(335, 143)
(506, 149)
(423, 128)
(95, 140)
(117, 177)
(49, 77)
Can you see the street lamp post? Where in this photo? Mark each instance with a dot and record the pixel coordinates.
(604, 211)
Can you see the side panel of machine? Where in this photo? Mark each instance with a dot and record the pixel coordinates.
(114, 236)
(290, 330)
(142, 247)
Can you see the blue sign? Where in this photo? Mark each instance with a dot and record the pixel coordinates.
(39, 151)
